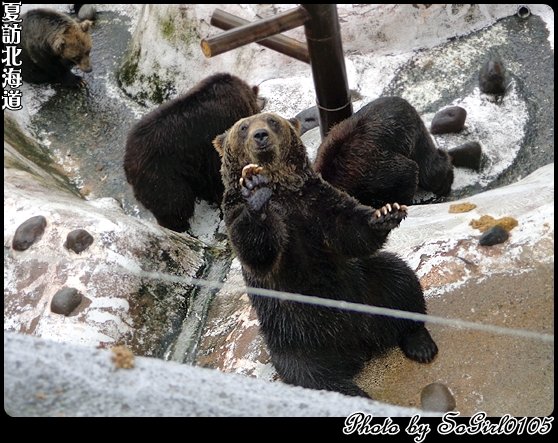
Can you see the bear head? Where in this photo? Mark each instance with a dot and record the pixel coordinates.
(268, 140)
(74, 45)
(439, 169)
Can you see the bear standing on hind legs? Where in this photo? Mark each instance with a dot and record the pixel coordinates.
(381, 153)
(169, 159)
(294, 232)
(53, 43)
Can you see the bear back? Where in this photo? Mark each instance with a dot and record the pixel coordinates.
(169, 159)
(382, 153)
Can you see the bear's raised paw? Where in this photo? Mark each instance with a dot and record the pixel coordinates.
(248, 173)
(252, 186)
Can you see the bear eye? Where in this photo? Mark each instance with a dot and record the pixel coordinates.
(273, 123)
(243, 128)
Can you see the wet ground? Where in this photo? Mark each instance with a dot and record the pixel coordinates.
(86, 129)
(495, 374)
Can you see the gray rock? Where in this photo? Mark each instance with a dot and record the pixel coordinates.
(447, 120)
(136, 275)
(78, 240)
(29, 232)
(65, 301)
(231, 339)
(467, 155)
(87, 12)
(523, 11)
(437, 397)
(309, 119)
(494, 236)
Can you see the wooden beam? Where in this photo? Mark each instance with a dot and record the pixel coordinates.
(253, 32)
(280, 43)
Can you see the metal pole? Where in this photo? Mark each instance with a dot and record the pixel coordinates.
(328, 65)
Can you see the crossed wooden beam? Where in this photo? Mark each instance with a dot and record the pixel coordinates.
(323, 50)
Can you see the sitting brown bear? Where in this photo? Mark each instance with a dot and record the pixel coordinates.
(169, 159)
(380, 154)
(294, 232)
(51, 44)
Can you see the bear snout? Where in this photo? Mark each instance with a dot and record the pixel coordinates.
(261, 137)
(85, 67)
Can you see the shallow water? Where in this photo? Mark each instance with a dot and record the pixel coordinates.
(86, 129)
(516, 132)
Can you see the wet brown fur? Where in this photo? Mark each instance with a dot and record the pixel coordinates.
(294, 232)
(382, 153)
(169, 158)
(52, 43)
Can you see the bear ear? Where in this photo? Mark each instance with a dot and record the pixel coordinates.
(218, 143)
(261, 102)
(296, 125)
(58, 44)
(85, 25)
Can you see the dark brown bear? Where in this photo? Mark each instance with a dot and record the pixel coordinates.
(53, 43)
(169, 159)
(381, 153)
(294, 232)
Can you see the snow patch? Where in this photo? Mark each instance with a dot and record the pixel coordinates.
(205, 221)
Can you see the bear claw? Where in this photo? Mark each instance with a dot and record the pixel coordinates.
(389, 215)
(250, 170)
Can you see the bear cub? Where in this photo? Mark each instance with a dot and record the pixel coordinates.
(169, 159)
(52, 43)
(294, 232)
(381, 153)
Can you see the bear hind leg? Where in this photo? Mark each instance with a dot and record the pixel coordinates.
(418, 345)
(177, 209)
(346, 387)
